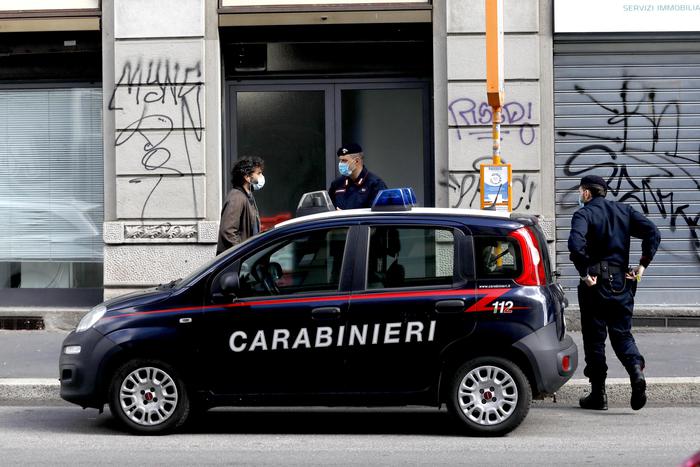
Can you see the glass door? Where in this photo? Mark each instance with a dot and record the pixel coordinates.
(391, 121)
(296, 129)
(288, 127)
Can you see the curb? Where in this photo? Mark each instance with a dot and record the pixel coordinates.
(29, 391)
(660, 391)
(645, 317)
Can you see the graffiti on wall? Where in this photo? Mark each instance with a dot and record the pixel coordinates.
(464, 188)
(466, 112)
(469, 117)
(167, 98)
(646, 159)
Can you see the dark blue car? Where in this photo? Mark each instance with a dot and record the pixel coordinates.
(369, 307)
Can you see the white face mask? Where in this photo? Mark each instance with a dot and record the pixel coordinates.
(259, 183)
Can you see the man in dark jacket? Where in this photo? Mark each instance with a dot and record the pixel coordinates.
(356, 187)
(240, 218)
(599, 244)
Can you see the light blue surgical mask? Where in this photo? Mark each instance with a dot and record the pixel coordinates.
(258, 183)
(344, 169)
(580, 201)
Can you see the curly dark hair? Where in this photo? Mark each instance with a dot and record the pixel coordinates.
(244, 167)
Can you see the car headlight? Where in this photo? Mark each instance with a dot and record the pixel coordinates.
(91, 318)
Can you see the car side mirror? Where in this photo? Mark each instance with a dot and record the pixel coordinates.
(229, 284)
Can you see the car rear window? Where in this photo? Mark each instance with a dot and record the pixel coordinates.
(497, 257)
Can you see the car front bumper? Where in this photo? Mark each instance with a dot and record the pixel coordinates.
(79, 373)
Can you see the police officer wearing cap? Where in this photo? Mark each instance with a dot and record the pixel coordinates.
(356, 187)
(599, 246)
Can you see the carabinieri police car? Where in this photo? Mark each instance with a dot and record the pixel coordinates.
(389, 306)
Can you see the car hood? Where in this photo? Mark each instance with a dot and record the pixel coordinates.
(138, 298)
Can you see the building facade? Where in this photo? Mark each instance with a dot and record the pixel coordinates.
(120, 121)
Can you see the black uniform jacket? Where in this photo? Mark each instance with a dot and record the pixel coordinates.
(601, 230)
(360, 193)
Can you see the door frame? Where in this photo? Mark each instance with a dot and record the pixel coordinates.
(333, 127)
(230, 123)
(424, 86)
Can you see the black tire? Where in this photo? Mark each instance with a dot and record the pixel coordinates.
(163, 415)
(502, 379)
(198, 413)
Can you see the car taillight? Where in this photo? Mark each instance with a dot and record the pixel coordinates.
(566, 363)
(533, 264)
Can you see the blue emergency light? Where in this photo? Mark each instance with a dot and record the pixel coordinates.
(395, 199)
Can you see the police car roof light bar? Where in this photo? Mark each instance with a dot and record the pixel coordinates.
(395, 199)
(411, 195)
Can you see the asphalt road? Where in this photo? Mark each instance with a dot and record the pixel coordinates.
(34, 354)
(549, 436)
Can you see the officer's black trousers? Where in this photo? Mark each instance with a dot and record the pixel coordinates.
(605, 312)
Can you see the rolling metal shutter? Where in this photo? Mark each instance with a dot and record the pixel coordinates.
(632, 116)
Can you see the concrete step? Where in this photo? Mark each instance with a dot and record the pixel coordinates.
(660, 391)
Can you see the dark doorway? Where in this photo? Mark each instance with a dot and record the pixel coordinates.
(295, 94)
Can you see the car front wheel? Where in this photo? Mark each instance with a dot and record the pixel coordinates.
(489, 396)
(148, 397)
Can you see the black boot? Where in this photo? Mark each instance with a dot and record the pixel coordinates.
(597, 399)
(639, 387)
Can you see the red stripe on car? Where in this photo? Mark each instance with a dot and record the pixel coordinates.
(480, 305)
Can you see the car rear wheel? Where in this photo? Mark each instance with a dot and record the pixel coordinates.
(489, 396)
(148, 397)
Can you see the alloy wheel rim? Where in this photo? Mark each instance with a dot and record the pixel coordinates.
(148, 396)
(487, 395)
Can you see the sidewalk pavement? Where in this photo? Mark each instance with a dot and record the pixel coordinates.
(29, 368)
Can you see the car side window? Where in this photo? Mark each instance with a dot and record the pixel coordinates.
(309, 262)
(410, 257)
(497, 257)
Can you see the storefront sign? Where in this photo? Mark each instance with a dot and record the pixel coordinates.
(626, 16)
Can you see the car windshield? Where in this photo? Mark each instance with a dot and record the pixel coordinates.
(194, 275)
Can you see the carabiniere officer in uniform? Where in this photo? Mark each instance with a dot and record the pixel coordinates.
(599, 244)
(356, 187)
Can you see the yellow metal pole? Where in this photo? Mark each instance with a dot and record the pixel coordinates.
(496, 136)
(496, 180)
(494, 70)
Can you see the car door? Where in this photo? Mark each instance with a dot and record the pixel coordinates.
(416, 282)
(277, 334)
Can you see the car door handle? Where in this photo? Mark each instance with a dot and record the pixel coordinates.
(450, 306)
(327, 312)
